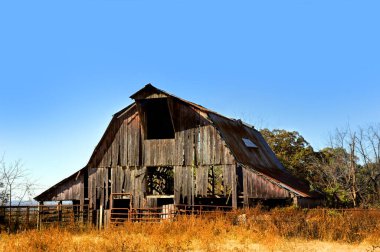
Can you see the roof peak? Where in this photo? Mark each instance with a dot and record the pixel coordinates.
(150, 88)
(147, 88)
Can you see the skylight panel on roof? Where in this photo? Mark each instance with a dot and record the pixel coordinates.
(248, 143)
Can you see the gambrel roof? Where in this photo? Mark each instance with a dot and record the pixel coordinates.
(246, 144)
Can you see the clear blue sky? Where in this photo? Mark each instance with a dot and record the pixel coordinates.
(67, 66)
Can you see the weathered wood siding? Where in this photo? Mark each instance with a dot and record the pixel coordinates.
(196, 142)
(182, 184)
(70, 190)
(130, 180)
(256, 187)
(124, 148)
(196, 145)
(98, 186)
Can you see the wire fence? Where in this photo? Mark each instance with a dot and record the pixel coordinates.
(16, 218)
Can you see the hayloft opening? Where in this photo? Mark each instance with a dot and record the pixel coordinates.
(159, 124)
(160, 180)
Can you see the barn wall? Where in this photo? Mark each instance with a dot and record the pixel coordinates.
(97, 185)
(70, 190)
(124, 143)
(256, 187)
(183, 176)
(196, 142)
(122, 180)
(197, 145)
(130, 180)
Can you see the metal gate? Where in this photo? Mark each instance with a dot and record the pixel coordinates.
(120, 207)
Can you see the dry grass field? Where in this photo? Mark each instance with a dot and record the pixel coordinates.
(278, 230)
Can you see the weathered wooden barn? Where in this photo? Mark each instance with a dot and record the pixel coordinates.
(163, 150)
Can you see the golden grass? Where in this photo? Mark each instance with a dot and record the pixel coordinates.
(278, 230)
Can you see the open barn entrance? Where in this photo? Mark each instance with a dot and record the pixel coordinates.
(160, 191)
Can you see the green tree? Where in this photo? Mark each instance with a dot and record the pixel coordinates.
(294, 152)
(348, 171)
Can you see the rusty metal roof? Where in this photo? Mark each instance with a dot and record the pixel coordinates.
(261, 159)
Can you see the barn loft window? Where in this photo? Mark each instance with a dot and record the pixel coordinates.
(158, 121)
(160, 180)
(248, 143)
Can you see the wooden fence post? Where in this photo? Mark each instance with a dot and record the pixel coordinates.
(59, 208)
(39, 216)
(27, 217)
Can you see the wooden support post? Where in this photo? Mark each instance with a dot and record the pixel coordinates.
(81, 209)
(27, 216)
(39, 217)
(59, 209)
(234, 190)
(77, 210)
(101, 217)
(97, 218)
(295, 201)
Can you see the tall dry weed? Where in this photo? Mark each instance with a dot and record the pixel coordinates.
(259, 230)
